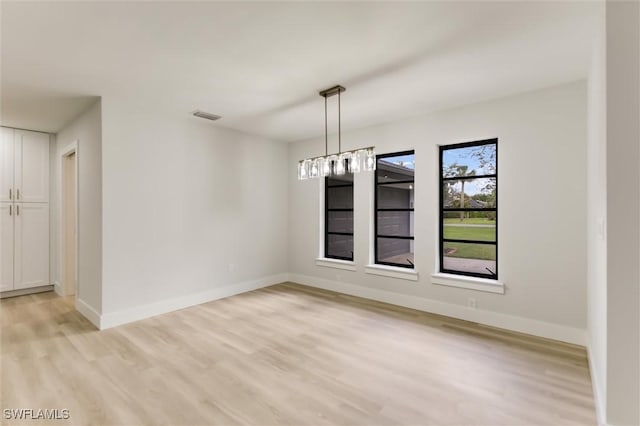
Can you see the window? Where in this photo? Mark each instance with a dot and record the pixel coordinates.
(469, 209)
(394, 209)
(338, 217)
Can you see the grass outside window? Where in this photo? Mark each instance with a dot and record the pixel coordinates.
(475, 233)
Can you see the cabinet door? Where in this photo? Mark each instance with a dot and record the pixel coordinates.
(6, 246)
(6, 165)
(31, 258)
(31, 167)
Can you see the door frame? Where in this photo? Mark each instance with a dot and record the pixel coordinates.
(68, 150)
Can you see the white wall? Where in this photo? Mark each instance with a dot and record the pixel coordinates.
(623, 210)
(87, 130)
(542, 217)
(188, 206)
(596, 222)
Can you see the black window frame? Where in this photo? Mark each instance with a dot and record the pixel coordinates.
(326, 219)
(442, 209)
(376, 209)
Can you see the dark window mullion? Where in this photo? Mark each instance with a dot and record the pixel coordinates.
(458, 178)
(470, 209)
(469, 144)
(396, 154)
(455, 240)
(395, 182)
(467, 274)
(397, 237)
(399, 265)
(340, 257)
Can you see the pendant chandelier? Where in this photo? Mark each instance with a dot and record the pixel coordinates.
(354, 161)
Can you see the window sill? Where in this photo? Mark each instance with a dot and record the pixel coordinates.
(336, 263)
(470, 283)
(392, 271)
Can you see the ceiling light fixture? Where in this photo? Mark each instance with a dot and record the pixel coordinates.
(354, 161)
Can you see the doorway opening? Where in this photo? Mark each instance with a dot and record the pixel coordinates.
(69, 219)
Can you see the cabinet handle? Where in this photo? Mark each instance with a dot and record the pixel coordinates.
(17, 194)
(17, 209)
(10, 210)
(10, 198)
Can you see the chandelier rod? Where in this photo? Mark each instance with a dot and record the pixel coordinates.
(335, 90)
(326, 137)
(339, 125)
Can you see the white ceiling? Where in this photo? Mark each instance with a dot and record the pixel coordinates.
(260, 65)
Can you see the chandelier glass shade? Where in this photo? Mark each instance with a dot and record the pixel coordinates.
(355, 161)
(360, 160)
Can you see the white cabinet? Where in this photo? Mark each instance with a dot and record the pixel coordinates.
(24, 209)
(31, 245)
(24, 245)
(6, 164)
(31, 167)
(6, 246)
(24, 175)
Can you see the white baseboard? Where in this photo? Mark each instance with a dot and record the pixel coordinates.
(58, 288)
(25, 291)
(495, 319)
(112, 319)
(88, 312)
(509, 322)
(598, 395)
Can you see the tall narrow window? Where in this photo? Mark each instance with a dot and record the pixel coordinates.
(469, 209)
(338, 217)
(394, 209)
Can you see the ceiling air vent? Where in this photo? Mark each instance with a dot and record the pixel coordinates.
(206, 115)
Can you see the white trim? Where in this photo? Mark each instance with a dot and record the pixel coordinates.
(112, 319)
(471, 283)
(372, 225)
(547, 330)
(392, 271)
(321, 218)
(88, 312)
(58, 288)
(347, 265)
(598, 396)
(71, 148)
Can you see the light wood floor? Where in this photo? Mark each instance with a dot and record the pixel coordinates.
(286, 354)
